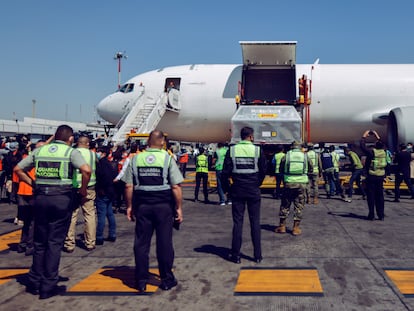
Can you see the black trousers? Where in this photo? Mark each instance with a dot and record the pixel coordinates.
(150, 217)
(399, 178)
(52, 214)
(253, 209)
(26, 203)
(375, 196)
(201, 177)
(279, 180)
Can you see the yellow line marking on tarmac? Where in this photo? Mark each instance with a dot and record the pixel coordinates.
(275, 281)
(7, 275)
(114, 280)
(9, 238)
(403, 279)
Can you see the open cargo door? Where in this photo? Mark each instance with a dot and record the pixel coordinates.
(269, 73)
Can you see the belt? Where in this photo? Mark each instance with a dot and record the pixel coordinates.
(53, 190)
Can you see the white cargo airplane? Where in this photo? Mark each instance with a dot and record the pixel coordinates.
(346, 100)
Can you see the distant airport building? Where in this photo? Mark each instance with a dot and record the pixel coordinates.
(40, 128)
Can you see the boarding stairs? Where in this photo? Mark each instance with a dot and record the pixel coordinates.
(142, 115)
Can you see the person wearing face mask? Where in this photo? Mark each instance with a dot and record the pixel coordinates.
(105, 194)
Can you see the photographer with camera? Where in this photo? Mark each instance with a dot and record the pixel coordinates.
(375, 165)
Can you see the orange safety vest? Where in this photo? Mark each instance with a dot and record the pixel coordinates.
(183, 158)
(25, 189)
(15, 178)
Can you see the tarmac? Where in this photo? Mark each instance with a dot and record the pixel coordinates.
(340, 262)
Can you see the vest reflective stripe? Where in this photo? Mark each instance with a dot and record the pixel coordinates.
(221, 154)
(53, 166)
(90, 158)
(278, 159)
(150, 171)
(245, 157)
(313, 156)
(378, 163)
(202, 164)
(296, 167)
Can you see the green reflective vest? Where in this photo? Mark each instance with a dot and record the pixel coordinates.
(313, 156)
(335, 160)
(90, 158)
(278, 158)
(378, 163)
(296, 167)
(245, 157)
(356, 161)
(150, 171)
(202, 164)
(53, 166)
(221, 154)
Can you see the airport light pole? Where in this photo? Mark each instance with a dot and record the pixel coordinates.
(34, 108)
(118, 56)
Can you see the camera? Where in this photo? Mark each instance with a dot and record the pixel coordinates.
(79, 134)
(371, 132)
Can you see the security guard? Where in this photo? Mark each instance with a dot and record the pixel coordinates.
(154, 198)
(313, 185)
(246, 165)
(87, 205)
(54, 165)
(375, 165)
(295, 166)
(201, 164)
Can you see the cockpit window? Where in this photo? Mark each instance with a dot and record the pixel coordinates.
(126, 88)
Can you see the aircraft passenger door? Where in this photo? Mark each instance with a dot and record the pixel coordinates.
(172, 89)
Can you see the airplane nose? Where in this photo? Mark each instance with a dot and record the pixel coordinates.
(104, 109)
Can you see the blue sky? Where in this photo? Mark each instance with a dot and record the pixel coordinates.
(60, 53)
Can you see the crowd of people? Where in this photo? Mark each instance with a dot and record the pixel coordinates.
(52, 181)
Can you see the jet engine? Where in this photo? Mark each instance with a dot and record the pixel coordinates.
(400, 127)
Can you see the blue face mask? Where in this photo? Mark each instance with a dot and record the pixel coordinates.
(98, 155)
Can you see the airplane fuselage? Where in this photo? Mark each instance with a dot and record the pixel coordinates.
(346, 100)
